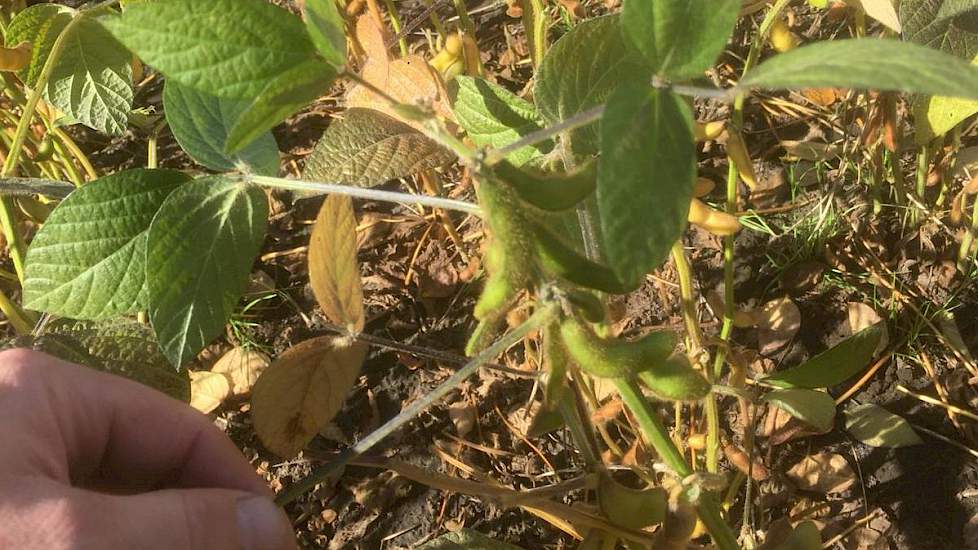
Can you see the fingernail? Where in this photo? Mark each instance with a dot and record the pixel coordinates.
(263, 526)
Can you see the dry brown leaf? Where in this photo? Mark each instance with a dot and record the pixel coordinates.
(409, 80)
(823, 96)
(302, 390)
(742, 462)
(863, 316)
(872, 535)
(208, 390)
(823, 473)
(811, 150)
(241, 366)
(778, 322)
(574, 8)
(372, 38)
(16, 58)
(462, 414)
(334, 273)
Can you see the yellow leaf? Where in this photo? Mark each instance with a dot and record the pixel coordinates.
(333, 270)
(208, 390)
(16, 58)
(936, 115)
(880, 10)
(242, 367)
(303, 390)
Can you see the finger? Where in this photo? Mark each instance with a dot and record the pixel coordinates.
(77, 424)
(55, 517)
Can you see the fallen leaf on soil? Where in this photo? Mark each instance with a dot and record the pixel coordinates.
(462, 414)
(823, 96)
(863, 316)
(811, 150)
(208, 390)
(241, 366)
(777, 323)
(302, 390)
(825, 473)
(878, 427)
(873, 535)
(334, 273)
(802, 276)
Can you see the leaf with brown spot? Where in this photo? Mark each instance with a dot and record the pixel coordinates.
(303, 390)
(334, 273)
(208, 390)
(242, 367)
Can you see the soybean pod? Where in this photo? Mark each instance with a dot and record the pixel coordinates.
(612, 358)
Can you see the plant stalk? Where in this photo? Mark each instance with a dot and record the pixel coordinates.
(656, 435)
(540, 318)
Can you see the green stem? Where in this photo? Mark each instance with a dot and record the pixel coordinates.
(969, 237)
(8, 215)
(396, 24)
(463, 16)
(540, 318)
(656, 435)
(18, 318)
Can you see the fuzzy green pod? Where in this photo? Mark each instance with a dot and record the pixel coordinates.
(558, 258)
(588, 305)
(612, 358)
(550, 191)
(483, 335)
(674, 379)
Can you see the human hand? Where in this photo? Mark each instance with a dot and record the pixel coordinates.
(91, 460)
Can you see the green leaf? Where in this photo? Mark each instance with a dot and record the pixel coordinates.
(581, 70)
(680, 38)
(200, 122)
(935, 115)
(645, 177)
(815, 408)
(325, 27)
(91, 81)
(954, 35)
(280, 99)
(805, 536)
(119, 346)
(466, 539)
(493, 116)
(201, 247)
(367, 148)
(951, 9)
(878, 427)
(834, 365)
(87, 261)
(40, 25)
(229, 48)
(867, 63)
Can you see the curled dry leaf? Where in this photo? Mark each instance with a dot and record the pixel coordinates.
(880, 10)
(739, 458)
(16, 58)
(823, 473)
(334, 273)
(302, 390)
(778, 321)
(208, 390)
(462, 414)
(241, 366)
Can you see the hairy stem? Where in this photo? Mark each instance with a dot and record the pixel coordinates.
(364, 193)
(656, 435)
(540, 318)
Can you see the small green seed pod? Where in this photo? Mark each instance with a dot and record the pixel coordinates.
(45, 150)
(606, 358)
(553, 192)
(674, 379)
(483, 335)
(497, 296)
(589, 305)
(563, 261)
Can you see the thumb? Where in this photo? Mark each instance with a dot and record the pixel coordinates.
(192, 519)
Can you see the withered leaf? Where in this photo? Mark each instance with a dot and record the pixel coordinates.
(241, 366)
(302, 390)
(333, 269)
(823, 473)
(208, 390)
